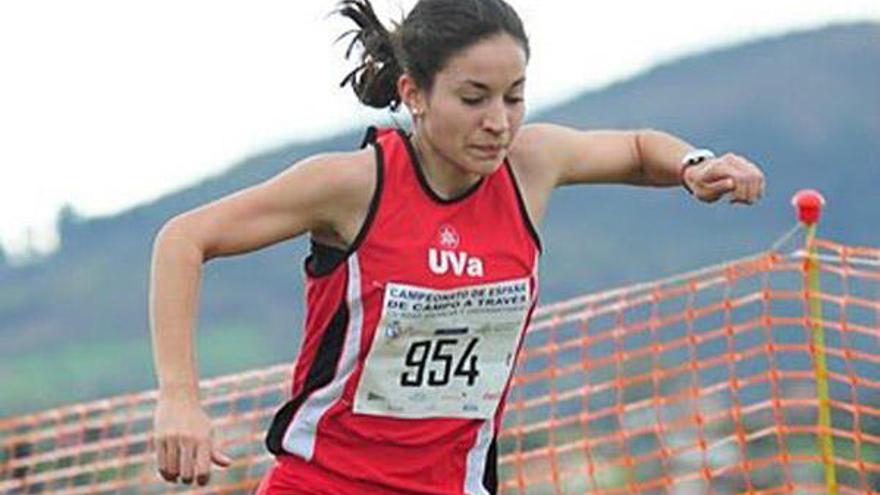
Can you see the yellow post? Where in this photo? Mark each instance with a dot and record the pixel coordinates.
(826, 439)
(809, 205)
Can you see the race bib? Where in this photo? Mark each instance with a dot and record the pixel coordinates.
(443, 353)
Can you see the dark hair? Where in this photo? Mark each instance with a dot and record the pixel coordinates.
(428, 37)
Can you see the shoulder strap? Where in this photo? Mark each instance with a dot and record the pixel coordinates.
(374, 133)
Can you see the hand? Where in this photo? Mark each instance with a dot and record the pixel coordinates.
(183, 438)
(727, 174)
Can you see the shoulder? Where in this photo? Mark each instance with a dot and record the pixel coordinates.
(534, 166)
(535, 153)
(545, 145)
(347, 182)
(531, 139)
(348, 178)
(564, 155)
(328, 176)
(348, 170)
(319, 193)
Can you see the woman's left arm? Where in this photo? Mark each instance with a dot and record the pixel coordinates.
(639, 157)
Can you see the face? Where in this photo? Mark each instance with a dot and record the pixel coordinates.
(476, 105)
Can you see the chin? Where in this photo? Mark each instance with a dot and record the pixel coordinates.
(483, 165)
(484, 168)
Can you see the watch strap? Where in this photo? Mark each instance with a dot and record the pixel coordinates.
(691, 158)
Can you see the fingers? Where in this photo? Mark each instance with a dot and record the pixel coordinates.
(750, 187)
(760, 183)
(169, 458)
(188, 459)
(715, 170)
(220, 459)
(710, 193)
(184, 442)
(714, 191)
(742, 191)
(730, 174)
(203, 463)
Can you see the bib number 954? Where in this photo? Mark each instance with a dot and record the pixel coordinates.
(445, 363)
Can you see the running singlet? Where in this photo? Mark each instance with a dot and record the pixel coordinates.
(411, 338)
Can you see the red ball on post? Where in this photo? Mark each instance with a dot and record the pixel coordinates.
(808, 203)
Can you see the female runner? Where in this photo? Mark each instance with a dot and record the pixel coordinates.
(422, 276)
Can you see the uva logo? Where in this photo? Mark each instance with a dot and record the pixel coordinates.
(442, 261)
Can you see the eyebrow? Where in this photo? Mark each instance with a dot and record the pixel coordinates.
(485, 86)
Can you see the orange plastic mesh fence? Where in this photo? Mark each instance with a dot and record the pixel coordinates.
(708, 382)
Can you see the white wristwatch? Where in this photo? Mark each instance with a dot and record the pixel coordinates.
(691, 158)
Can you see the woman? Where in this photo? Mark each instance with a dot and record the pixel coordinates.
(422, 276)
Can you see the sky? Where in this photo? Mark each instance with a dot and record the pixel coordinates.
(106, 104)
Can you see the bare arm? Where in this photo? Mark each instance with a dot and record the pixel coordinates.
(641, 157)
(175, 281)
(306, 197)
(644, 157)
(318, 194)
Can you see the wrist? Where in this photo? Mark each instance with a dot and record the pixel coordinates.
(691, 159)
(179, 390)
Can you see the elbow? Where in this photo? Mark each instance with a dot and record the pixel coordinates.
(648, 148)
(172, 230)
(640, 174)
(177, 234)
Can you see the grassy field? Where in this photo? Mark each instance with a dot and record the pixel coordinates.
(95, 370)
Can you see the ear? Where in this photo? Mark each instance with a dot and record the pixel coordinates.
(410, 94)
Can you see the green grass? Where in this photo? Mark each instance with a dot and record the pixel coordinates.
(95, 370)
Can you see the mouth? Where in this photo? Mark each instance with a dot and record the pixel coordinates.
(489, 150)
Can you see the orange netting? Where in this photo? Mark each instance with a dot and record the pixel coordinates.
(747, 377)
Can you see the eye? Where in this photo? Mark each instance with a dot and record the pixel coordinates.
(472, 101)
(514, 100)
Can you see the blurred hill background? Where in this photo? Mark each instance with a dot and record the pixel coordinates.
(805, 106)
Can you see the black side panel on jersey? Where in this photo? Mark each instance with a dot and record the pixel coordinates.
(321, 373)
(323, 259)
(490, 473)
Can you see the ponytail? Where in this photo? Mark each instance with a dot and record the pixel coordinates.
(374, 81)
(421, 44)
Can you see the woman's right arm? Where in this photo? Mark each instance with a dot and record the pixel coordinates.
(319, 194)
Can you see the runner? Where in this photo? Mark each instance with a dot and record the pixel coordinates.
(423, 270)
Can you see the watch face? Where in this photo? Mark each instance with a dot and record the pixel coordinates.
(697, 156)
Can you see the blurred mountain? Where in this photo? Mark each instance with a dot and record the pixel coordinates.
(805, 106)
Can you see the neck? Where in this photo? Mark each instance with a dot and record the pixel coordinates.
(445, 178)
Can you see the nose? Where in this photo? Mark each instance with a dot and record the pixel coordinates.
(496, 120)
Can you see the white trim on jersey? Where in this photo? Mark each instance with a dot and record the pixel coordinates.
(301, 434)
(476, 460)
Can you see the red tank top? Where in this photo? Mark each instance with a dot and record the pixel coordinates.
(411, 337)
